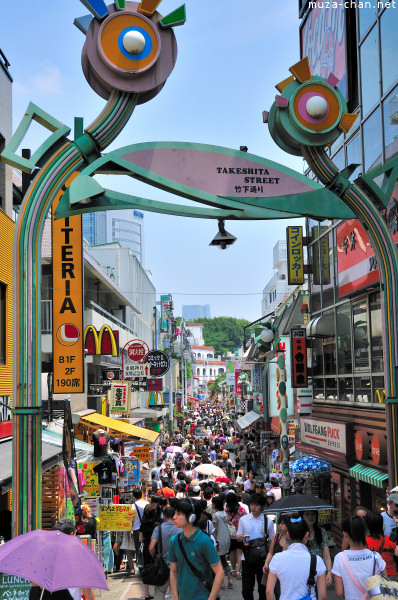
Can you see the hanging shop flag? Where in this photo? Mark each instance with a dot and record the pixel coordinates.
(295, 255)
(299, 358)
(164, 312)
(68, 351)
(120, 396)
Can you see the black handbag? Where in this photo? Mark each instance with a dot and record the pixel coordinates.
(256, 550)
(158, 572)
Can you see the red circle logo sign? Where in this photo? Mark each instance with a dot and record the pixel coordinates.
(137, 351)
(379, 449)
(110, 375)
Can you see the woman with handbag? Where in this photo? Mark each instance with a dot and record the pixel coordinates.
(278, 544)
(352, 567)
(221, 535)
(234, 512)
(297, 570)
(150, 519)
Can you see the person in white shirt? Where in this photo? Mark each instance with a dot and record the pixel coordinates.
(248, 482)
(352, 567)
(292, 567)
(138, 505)
(254, 526)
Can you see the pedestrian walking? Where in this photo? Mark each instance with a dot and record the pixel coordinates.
(168, 530)
(221, 534)
(193, 558)
(254, 530)
(234, 513)
(277, 544)
(377, 541)
(352, 567)
(150, 519)
(318, 542)
(293, 567)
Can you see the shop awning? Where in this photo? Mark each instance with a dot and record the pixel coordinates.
(121, 427)
(248, 419)
(368, 475)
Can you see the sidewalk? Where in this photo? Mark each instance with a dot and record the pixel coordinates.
(132, 588)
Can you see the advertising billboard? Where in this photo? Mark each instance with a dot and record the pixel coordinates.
(323, 40)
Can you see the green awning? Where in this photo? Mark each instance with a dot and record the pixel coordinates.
(368, 475)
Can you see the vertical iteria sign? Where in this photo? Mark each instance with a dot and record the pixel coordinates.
(299, 358)
(68, 346)
(295, 255)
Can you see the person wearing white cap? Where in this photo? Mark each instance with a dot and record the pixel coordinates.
(390, 515)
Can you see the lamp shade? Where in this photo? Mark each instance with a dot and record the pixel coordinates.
(267, 335)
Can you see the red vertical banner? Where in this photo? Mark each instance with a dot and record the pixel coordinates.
(238, 384)
(299, 358)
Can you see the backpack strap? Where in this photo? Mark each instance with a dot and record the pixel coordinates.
(354, 579)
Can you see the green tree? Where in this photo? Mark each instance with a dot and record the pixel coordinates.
(223, 333)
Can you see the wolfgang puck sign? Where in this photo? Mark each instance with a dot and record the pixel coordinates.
(329, 435)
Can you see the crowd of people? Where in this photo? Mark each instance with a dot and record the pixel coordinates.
(217, 532)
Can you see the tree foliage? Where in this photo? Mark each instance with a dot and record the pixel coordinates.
(223, 333)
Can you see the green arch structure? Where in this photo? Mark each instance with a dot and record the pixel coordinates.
(60, 158)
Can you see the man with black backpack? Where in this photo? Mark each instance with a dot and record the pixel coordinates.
(254, 530)
(168, 530)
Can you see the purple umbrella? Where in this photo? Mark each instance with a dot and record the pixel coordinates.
(174, 449)
(52, 560)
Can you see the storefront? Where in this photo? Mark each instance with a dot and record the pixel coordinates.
(332, 441)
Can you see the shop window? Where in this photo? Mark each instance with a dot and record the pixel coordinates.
(376, 332)
(346, 389)
(360, 336)
(370, 77)
(3, 324)
(372, 140)
(343, 338)
(318, 388)
(366, 18)
(329, 357)
(379, 392)
(331, 388)
(363, 390)
(354, 155)
(316, 357)
(390, 117)
(388, 32)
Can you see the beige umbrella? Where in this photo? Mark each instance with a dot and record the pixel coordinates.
(209, 469)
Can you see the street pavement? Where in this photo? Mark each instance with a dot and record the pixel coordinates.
(132, 588)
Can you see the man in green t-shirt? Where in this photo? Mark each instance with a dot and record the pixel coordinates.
(200, 552)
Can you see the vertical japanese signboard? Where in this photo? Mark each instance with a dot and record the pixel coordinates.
(295, 255)
(120, 397)
(164, 312)
(299, 358)
(68, 348)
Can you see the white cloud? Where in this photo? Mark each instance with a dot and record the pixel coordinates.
(46, 81)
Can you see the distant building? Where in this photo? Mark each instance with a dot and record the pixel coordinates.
(123, 226)
(277, 289)
(206, 366)
(195, 311)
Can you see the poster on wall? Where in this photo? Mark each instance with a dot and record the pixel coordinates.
(323, 40)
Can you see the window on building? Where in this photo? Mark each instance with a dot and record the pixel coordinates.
(209, 356)
(367, 17)
(372, 140)
(315, 282)
(3, 323)
(343, 338)
(211, 372)
(363, 391)
(199, 355)
(390, 118)
(370, 76)
(388, 32)
(346, 389)
(220, 371)
(354, 155)
(327, 269)
(204, 371)
(339, 159)
(317, 357)
(198, 372)
(360, 335)
(376, 333)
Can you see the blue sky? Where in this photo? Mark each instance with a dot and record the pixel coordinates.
(231, 53)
